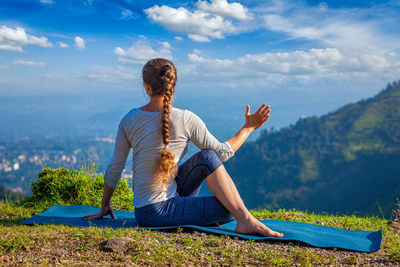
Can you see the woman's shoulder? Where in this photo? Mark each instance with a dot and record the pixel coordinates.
(182, 113)
(133, 114)
(182, 110)
(189, 118)
(175, 113)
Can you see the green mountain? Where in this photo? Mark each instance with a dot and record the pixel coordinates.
(344, 162)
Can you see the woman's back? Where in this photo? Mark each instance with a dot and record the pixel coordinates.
(141, 131)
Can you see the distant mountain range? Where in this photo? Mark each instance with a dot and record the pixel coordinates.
(347, 161)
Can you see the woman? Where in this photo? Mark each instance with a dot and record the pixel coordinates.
(158, 134)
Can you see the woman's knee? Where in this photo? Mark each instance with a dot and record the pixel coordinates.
(210, 158)
(208, 154)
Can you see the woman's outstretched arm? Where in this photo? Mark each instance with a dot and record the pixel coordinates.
(252, 122)
(203, 139)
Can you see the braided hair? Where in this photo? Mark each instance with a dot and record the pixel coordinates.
(160, 75)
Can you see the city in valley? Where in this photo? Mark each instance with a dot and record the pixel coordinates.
(21, 159)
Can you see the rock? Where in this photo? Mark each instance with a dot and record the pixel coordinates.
(118, 244)
(61, 252)
(394, 224)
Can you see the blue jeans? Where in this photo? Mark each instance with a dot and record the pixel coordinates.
(188, 207)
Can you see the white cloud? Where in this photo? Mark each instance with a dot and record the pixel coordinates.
(199, 25)
(51, 77)
(29, 63)
(140, 52)
(47, 1)
(87, 2)
(166, 45)
(3, 67)
(335, 34)
(323, 6)
(313, 69)
(62, 45)
(275, 6)
(107, 74)
(196, 51)
(374, 63)
(309, 64)
(79, 43)
(10, 47)
(218, 62)
(346, 29)
(198, 38)
(126, 14)
(300, 62)
(225, 9)
(178, 38)
(14, 39)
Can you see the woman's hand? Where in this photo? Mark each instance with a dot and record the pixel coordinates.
(105, 210)
(105, 204)
(253, 121)
(257, 119)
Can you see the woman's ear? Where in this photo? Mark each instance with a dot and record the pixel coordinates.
(147, 87)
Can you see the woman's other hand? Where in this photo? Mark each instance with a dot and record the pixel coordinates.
(105, 204)
(105, 210)
(257, 119)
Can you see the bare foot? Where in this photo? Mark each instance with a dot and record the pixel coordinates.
(253, 226)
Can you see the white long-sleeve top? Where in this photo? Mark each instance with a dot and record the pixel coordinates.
(140, 131)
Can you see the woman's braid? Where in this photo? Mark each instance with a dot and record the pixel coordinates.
(166, 75)
(160, 75)
(167, 165)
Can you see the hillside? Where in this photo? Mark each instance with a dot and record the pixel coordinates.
(344, 162)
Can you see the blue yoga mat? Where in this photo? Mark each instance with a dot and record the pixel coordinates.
(314, 235)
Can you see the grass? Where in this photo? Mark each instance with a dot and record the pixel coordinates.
(59, 244)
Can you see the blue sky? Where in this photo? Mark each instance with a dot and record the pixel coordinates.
(332, 51)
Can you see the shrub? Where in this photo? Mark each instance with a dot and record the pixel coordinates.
(79, 187)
